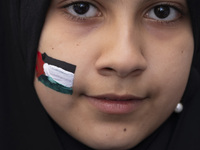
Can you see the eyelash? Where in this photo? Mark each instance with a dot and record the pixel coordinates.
(176, 8)
(78, 18)
(72, 17)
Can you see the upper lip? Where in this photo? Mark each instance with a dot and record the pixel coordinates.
(117, 97)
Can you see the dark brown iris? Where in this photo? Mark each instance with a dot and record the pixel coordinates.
(81, 8)
(162, 11)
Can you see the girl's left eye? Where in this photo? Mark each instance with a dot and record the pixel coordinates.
(164, 13)
(82, 10)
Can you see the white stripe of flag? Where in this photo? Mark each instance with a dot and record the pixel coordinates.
(59, 75)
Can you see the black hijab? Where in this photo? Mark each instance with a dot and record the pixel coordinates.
(25, 125)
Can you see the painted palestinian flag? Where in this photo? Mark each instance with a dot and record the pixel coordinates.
(55, 74)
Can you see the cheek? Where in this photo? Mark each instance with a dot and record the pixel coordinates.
(169, 68)
(62, 41)
(169, 51)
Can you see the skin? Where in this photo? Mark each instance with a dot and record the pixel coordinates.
(120, 50)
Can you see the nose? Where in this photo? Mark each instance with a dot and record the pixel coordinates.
(122, 53)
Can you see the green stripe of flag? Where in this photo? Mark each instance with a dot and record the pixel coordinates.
(49, 82)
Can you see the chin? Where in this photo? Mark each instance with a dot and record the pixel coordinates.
(112, 145)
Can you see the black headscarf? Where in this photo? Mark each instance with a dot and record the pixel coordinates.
(25, 125)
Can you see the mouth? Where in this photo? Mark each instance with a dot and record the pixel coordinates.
(113, 97)
(115, 104)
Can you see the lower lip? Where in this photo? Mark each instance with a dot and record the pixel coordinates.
(115, 107)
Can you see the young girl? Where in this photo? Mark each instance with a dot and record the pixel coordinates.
(96, 74)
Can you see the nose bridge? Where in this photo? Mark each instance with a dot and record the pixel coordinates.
(125, 30)
(123, 53)
(125, 39)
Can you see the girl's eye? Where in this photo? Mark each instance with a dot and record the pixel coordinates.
(82, 10)
(163, 13)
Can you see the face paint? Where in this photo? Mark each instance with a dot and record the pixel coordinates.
(55, 74)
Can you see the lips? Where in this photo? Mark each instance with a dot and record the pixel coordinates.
(113, 97)
(115, 104)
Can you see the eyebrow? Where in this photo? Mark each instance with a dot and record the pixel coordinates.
(142, 1)
(138, 1)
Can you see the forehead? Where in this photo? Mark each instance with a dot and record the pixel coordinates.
(140, 1)
(124, 1)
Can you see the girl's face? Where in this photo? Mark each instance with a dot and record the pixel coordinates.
(132, 60)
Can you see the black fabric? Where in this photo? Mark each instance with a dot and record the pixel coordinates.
(25, 125)
(68, 142)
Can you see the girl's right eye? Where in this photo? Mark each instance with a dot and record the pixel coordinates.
(82, 10)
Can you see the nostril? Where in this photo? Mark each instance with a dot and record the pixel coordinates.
(108, 69)
(121, 72)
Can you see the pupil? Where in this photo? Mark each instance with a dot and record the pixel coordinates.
(162, 11)
(81, 8)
